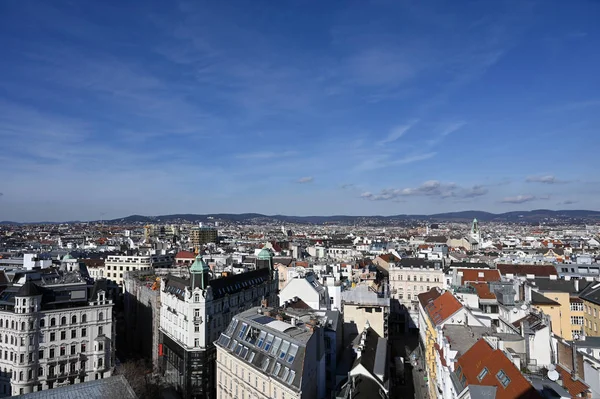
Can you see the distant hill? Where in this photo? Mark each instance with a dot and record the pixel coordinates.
(535, 216)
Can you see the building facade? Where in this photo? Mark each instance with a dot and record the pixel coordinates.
(193, 314)
(54, 335)
(203, 235)
(116, 266)
(263, 354)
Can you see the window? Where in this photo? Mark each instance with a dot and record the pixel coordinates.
(63, 335)
(73, 319)
(42, 322)
(196, 297)
(52, 322)
(51, 355)
(63, 351)
(196, 342)
(73, 333)
(73, 350)
(503, 378)
(63, 321)
(576, 306)
(100, 362)
(482, 374)
(100, 346)
(41, 354)
(100, 330)
(196, 327)
(100, 316)
(83, 349)
(577, 320)
(83, 332)
(52, 336)
(84, 318)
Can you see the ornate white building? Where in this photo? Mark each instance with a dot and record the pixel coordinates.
(195, 311)
(53, 335)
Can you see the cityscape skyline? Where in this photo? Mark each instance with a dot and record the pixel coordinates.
(109, 110)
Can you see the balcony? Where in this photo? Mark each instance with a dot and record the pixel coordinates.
(66, 358)
(197, 319)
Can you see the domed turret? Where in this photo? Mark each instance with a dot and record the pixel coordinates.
(264, 260)
(200, 273)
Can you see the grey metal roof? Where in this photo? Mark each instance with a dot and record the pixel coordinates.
(482, 392)
(274, 346)
(539, 299)
(115, 387)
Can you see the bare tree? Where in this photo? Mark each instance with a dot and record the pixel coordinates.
(139, 375)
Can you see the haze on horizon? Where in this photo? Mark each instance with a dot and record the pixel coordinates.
(109, 109)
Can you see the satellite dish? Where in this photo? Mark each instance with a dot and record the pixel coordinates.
(551, 367)
(524, 307)
(553, 375)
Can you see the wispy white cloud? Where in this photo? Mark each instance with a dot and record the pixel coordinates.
(431, 188)
(266, 155)
(567, 202)
(520, 199)
(397, 132)
(545, 179)
(307, 179)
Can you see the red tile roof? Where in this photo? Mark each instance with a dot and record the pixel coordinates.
(481, 355)
(441, 308)
(426, 297)
(523, 270)
(473, 275)
(389, 258)
(483, 291)
(185, 255)
(575, 387)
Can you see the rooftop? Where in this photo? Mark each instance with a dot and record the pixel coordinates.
(111, 387)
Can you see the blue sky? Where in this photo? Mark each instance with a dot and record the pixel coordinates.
(308, 108)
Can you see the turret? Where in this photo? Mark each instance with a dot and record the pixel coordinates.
(200, 273)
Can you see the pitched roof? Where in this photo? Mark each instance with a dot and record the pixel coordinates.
(470, 371)
(483, 290)
(548, 285)
(591, 293)
(575, 387)
(389, 258)
(539, 299)
(427, 296)
(523, 270)
(479, 275)
(111, 387)
(29, 289)
(185, 255)
(441, 308)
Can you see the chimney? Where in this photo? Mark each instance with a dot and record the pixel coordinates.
(575, 372)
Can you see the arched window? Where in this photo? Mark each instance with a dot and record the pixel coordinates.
(22, 326)
(52, 322)
(100, 316)
(1, 323)
(42, 322)
(12, 324)
(83, 318)
(63, 321)
(24, 301)
(73, 319)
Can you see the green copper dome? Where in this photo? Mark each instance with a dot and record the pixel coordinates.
(199, 265)
(265, 254)
(67, 257)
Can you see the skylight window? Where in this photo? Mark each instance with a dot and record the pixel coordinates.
(243, 331)
(283, 350)
(261, 339)
(270, 338)
(291, 377)
(292, 353)
(503, 378)
(482, 374)
(275, 346)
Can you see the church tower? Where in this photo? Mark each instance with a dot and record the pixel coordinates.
(199, 273)
(475, 232)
